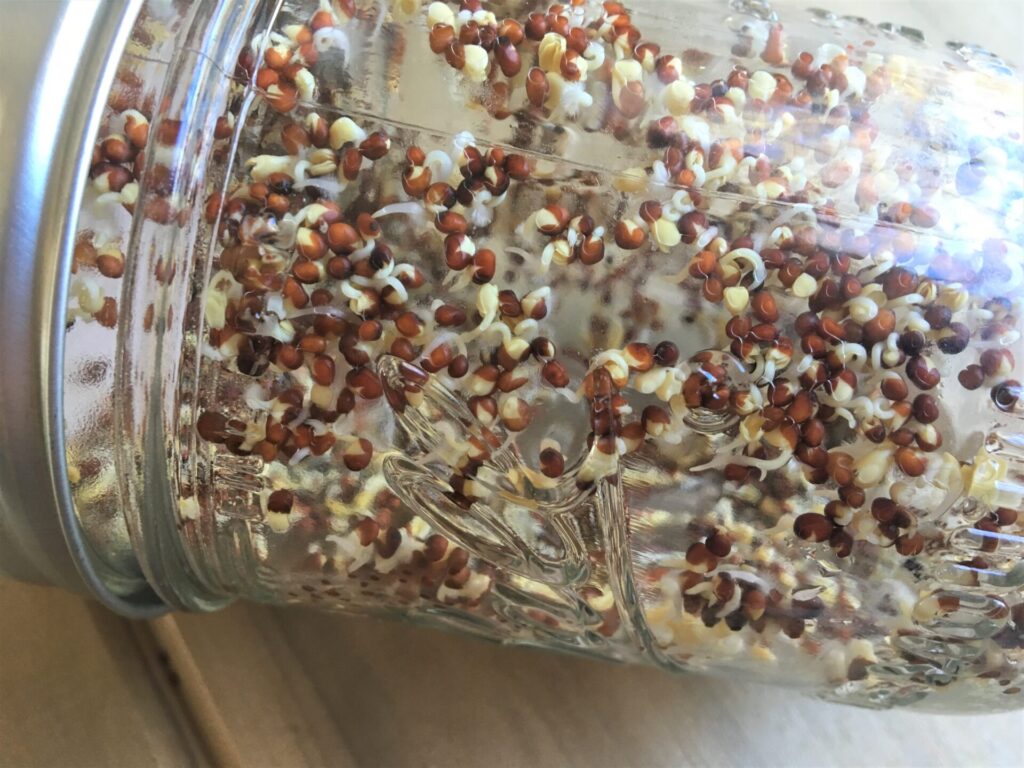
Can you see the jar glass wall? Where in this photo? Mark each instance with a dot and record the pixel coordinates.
(687, 340)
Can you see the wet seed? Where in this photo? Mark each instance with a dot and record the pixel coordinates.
(812, 526)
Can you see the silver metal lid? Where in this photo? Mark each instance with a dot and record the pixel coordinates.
(51, 101)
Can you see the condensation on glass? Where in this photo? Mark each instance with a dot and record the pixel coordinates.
(679, 334)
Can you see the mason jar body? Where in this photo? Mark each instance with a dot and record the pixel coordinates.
(689, 340)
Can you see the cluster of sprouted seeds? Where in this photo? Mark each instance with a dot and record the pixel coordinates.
(740, 392)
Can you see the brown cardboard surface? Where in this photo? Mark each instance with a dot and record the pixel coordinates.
(75, 689)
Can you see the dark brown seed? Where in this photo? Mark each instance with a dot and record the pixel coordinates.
(738, 327)
(339, 267)
(416, 180)
(390, 544)
(666, 353)
(367, 529)
(762, 304)
(552, 463)
(840, 467)
(455, 55)
(484, 408)
(894, 387)
(790, 271)
(737, 473)
(691, 225)
(435, 547)
(507, 56)
(409, 324)
(536, 26)
(1005, 516)
(469, 33)
(375, 146)
(764, 332)
(458, 580)
(542, 348)
(537, 87)
(802, 407)
(884, 509)
(346, 401)
(323, 370)
(921, 373)
(813, 432)
(850, 287)
(971, 377)
(287, 356)
(115, 176)
(899, 282)
(440, 195)
(441, 37)
(910, 545)
(639, 356)
(880, 326)
(713, 290)
(901, 436)
(307, 272)
(554, 373)
(458, 367)
(926, 408)
(311, 244)
(983, 528)
(912, 342)
(212, 426)
(650, 211)
(832, 329)
(358, 455)
(451, 223)
(841, 542)
(449, 316)
(957, 340)
(280, 501)
(403, 348)
(991, 361)
(719, 543)
(512, 30)
(852, 496)
(813, 456)
(1006, 394)
(342, 238)
(517, 167)
(313, 344)
(806, 323)
(938, 316)
(911, 462)
(699, 555)
(367, 226)
(110, 265)
(484, 265)
(294, 138)
(458, 561)
(811, 526)
(591, 250)
(552, 220)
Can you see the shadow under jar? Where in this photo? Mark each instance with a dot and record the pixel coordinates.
(685, 335)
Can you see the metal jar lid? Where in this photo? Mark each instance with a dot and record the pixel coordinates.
(51, 101)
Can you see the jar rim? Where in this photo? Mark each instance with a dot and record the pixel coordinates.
(46, 164)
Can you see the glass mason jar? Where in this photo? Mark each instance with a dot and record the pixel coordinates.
(685, 335)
